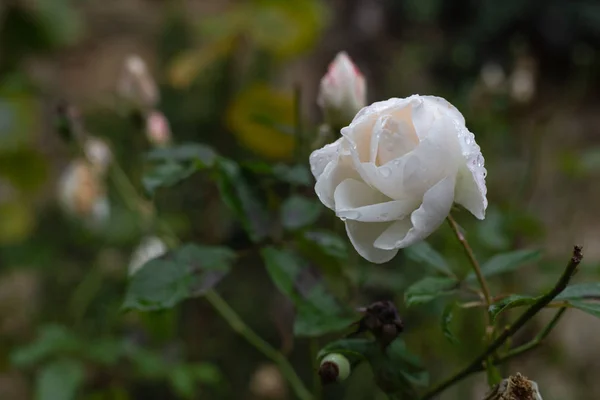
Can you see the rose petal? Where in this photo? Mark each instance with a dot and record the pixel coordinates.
(470, 188)
(319, 159)
(409, 176)
(357, 201)
(362, 236)
(335, 172)
(436, 206)
(392, 138)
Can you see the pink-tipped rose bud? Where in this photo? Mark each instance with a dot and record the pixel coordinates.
(157, 129)
(343, 91)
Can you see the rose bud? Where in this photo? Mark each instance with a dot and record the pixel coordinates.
(149, 248)
(343, 91)
(158, 131)
(397, 170)
(136, 83)
(334, 368)
(98, 154)
(82, 193)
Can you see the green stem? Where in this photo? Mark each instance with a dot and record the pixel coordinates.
(544, 300)
(219, 304)
(517, 351)
(474, 263)
(238, 325)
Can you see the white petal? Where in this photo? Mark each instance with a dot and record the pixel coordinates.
(362, 236)
(392, 138)
(335, 172)
(357, 201)
(409, 176)
(425, 220)
(323, 156)
(471, 190)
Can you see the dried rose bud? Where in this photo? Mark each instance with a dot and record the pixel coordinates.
(382, 320)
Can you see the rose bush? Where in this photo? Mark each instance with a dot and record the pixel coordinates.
(396, 171)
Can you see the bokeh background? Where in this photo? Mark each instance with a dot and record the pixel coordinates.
(524, 73)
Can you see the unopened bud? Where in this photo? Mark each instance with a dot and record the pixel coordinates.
(98, 154)
(136, 83)
(343, 91)
(149, 248)
(81, 193)
(158, 131)
(334, 368)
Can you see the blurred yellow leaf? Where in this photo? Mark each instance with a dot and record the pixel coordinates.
(188, 65)
(262, 119)
(17, 222)
(25, 169)
(287, 28)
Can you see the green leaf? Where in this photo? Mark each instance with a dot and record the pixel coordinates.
(52, 340)
(185, 378)
(512, 301)
(327, 242)
(580, 291)
(294, 174)
(428, 289)
(59, 380)
(159, 284)
(202, 155)
(186, 272)
(396, 370)
(242, 199)
(317, 310)
(588, 307)
(447, 317)
(423, 253)
(166, 175)
(298, 212)
(507, 262)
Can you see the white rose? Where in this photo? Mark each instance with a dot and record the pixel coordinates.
(343, 91)
(396, 171)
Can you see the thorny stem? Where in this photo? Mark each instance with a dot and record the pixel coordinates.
(474, 263)
(138, 204)
(542, 302)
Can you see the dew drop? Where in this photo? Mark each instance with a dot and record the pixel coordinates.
(351, 215)
(385, 172)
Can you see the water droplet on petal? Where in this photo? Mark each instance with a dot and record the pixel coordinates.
(350, 215)
(385, 172)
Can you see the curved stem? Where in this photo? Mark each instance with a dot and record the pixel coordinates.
(139, 204)
(474, 263)
(238, 325)
(543, 301)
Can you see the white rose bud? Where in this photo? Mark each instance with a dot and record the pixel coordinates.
(149, 248)
(396, 171)
(343, 91)
(158, 131)
(137, 84)
(98, 154)
(82, 194)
